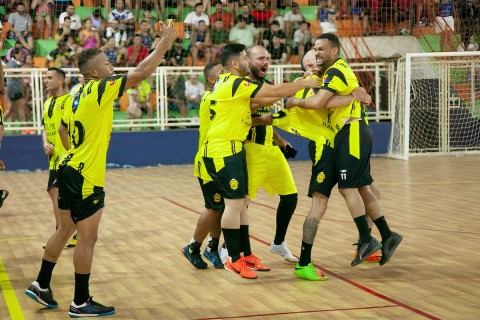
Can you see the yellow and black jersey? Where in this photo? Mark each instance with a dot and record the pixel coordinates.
(1, 116)
(89, 119)
(204, 117)
(230, 116)
(311, 124)
(341, 80)
(261, 134)
(53, 111)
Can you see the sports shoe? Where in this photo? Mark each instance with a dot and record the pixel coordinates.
(194, 258)
(3, 196)
(366, 249)
(309, 272)
(73, 242)
(214, 258)
(373, 258)
(254, 263)
(240, 268)
(282, 250)
(42, 296)
(90, 309)
(389, 246)
(223, 252)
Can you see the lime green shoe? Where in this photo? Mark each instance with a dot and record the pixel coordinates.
(73, 242)
(309, 272)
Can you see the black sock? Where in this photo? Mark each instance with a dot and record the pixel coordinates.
(45, 274)
(285, 210)
(362, 226)
(370, 230)
(382, 226)
(305, 254)
(232, 240)
(212, 245)
(195, 247)
(81, 288)
(245, 241)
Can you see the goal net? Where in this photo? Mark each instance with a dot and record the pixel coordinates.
(437, 105)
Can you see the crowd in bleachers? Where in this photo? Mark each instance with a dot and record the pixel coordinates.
(126, 30)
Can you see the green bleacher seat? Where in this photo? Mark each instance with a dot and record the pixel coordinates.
(9, 43)
(308, 12)
(2, 10)
(44, 47)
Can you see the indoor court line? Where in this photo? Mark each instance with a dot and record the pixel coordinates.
(296, 312)
(344, 279)
(17, 239)
(9, 294)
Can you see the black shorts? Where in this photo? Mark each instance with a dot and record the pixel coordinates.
(213, 198)
(52, 180)
(229, 175)
(15, 96)
(353, 148)
(323, 177)
(70, 184)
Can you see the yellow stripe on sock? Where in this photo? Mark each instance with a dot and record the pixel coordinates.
(9, 295)
(354, 142)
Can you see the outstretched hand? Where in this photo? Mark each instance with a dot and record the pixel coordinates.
(290, 103)
(167, 31)
(311, 82)
(360, 94)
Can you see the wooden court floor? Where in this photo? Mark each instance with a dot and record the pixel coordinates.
(151, 213)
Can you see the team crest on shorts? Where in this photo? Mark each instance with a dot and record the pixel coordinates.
(217, 197)
(234, 184)
(320, 177)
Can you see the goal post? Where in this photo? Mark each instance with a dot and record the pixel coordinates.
(437, 105)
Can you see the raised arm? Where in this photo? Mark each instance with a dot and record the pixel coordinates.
(147, 66)
(286, 89)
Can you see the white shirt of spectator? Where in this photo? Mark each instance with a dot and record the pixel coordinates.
(194, 91)
(193, 19)
(124, 15)
(290, 16)
(75, 19)
(119, 35)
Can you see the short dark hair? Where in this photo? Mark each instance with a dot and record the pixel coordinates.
(230, 51)
(85, 57)
(198, 4)
(208, 69)
(333, 39)
(58, 71)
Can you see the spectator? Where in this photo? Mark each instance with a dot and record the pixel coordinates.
(359, 9)
(176, 55)
(15, 90)
(175, 88)
(243, 33)
(89, 36)
(274, 31)
(293, 19)
(262, 17)
(64, 32)
(97, 20)
(147, 6)
(119, 35)
(139, 100)
(246, 15)
(112, 52)
(219, 38)
(200, 45)
(43, 14)
(278, 52)
(445, 25)
(193, 92)
(225, 17)
(124, 17)
(146, 33)
(322, 15)
(75, 20)
(147, 16)
(302, 39)
(18, 44)
(165, 59)
(468, 43)
(27, 79)
(21, 26)
(137, 52)
(55, 55)
(192, 19)
(60, 6)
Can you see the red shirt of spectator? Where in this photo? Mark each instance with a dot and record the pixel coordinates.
(225, 17)
(261, 16)
(137, 52)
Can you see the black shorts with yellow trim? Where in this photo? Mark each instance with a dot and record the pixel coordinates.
(323, 177)
(70, 195)
(52, 180)
(353, 148)
(229, 175)
(211, 195)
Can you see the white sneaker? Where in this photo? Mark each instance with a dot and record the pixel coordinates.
(223, 252)
(282, 250)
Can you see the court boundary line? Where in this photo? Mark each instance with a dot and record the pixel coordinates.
(9, 295)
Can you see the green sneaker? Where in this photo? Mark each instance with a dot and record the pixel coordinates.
(309, 272)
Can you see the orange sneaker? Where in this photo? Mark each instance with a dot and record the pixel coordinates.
(255, 264)
(374, 258)
(240, 268)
